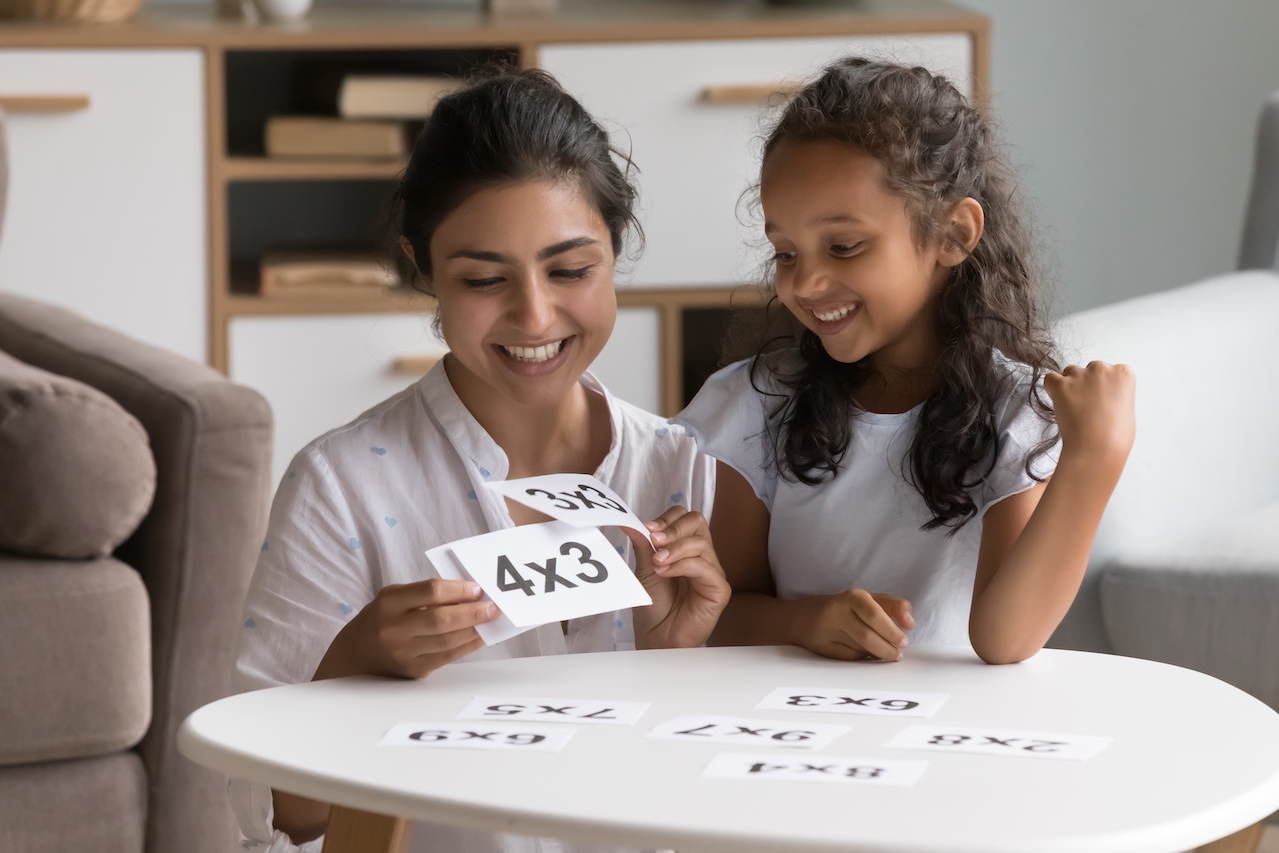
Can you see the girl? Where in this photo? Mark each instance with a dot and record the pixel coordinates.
(514, 212)
(891, 470)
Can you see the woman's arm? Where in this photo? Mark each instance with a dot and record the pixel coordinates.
(1035, 545)
(851, 625)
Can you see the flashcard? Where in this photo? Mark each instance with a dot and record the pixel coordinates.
(492, 633)
(845, 700)
(554, 710)
(708, 728)
(1005, 742)
(522, 738)
(550, 572)
(819, 768)
(576, 499)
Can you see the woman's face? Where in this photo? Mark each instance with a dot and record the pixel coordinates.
(524, 277)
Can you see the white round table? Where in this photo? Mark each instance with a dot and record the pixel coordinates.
(1193, 759)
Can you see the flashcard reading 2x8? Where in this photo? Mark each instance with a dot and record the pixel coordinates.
(542, 573)
(576, 499)
(739, 731)
(825, 769)
(1004, 742)
(554, 710)
(841, 700)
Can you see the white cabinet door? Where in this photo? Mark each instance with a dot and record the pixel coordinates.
(319, 373)
(106, 211)
(630, 365)
(696, 159)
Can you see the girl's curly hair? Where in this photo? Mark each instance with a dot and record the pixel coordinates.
(937, 149)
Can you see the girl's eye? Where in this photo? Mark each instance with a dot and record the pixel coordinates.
(844, 248)
(784, 257)
(573, 274)
(483, 282)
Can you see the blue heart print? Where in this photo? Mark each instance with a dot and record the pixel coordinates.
(265, 547)
(663, 431)
(249, 623)
(677, 498)
(471, 494)
(355, 543)
(484, 473)
(380, 451)
(345, 609)
(390, 522)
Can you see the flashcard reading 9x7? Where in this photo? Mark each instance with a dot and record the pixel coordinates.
(576, 499)
(542, 573)
(739, 731)
(846, 700)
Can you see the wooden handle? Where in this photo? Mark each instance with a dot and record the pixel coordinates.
(415, 364)
(353, 831)
(44, 103)
(756, 94)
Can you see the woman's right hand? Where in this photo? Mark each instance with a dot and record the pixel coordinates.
(856, 624)
(409, 630)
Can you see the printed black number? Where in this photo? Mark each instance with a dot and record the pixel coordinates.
(761, 767)
(430, 736)
(584, 557)
(504, 710)
(792, 737)
(601, 497)
(552, 577)
(554, 498)
(899, 704)
(948, 740)
(525, 739)
(509, 579)
(1044, 745)
(802, 702)
(864, 772)
(697, 732)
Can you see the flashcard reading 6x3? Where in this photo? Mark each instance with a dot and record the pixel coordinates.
(541, 573)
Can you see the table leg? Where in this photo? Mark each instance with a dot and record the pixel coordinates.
(354, 831)
(1243, 841)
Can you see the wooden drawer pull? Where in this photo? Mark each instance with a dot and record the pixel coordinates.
(44, 103)
(415, 364)
(757, 94)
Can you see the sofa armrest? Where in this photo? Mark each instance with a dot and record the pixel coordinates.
(1260, 248)
(195, 550)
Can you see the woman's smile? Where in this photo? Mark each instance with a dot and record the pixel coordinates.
(535, 359)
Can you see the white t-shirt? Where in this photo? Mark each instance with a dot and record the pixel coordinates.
(863, 527)
(359, 507)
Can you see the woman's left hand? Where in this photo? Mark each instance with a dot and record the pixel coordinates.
(683, 578)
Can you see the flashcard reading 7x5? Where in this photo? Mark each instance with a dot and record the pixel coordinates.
(842, 700)
(522, 738)
(818, 768)
(576, 499)
(554, 710)
(1004, 742)
(707, 728)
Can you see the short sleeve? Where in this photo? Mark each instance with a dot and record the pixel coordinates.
(1021, 429)
(311, 578)
(729, 419)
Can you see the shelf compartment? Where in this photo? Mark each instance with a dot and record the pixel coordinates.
(308, 169)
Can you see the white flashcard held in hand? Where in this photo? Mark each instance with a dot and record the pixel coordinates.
(738, 731)
(576, 499)
(521, 738)
(823, 769)
(592, 711)
(1005, 742)
(550, 572)
(847, 700)
(492, 633)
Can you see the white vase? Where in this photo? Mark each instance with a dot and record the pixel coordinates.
(283, 10)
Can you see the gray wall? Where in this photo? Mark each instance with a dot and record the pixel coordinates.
(1133, 121)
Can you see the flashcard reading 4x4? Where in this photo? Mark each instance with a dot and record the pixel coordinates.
(522, 738)
(1003, 742)
(576, 499)
(738, 731)
(544, 573)
(591, 711)
(843, 700)
(823, 769)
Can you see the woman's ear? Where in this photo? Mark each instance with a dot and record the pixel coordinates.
(407, 248)
(963, 232)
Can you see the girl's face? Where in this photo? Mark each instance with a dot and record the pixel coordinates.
(848, 265)
(524, 277)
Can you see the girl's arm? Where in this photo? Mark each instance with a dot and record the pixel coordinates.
(851, 625)
(1035, 545)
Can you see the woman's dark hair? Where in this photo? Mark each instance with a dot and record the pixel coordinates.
(937, 149)
(504, 128)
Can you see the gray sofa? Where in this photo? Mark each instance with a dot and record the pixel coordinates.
(104, 650)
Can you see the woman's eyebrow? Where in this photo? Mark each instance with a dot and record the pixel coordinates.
(565, 246)
(493, 257)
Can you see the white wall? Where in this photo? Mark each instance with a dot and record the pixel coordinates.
(1135, 122)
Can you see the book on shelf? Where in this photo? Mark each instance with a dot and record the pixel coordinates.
(398, 97)
(322, 136)
(324, 272)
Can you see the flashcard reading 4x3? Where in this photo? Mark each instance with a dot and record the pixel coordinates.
(576, 499)
(842, 700)
(541, 573)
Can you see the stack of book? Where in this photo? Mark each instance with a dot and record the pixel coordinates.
(370, 117)
(309, 273)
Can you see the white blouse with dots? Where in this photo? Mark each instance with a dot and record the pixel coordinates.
(359, 507)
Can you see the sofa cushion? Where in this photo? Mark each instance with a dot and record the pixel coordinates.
(98, 805)
(77, 468)
(1208, 601)
(75, 672)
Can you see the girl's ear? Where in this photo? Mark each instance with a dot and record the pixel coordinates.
(967, 222)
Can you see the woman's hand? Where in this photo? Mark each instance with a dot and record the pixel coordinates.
(409, 630)
(1095, 408)
(683, 578)
(856, 624)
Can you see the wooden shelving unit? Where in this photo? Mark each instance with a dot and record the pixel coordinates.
(280, 169)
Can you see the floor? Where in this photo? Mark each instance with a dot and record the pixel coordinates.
(1270, 841)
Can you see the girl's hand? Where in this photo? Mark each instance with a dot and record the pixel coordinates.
(683, 578)
(856, 624)
(409, 630)
(1095, 409)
